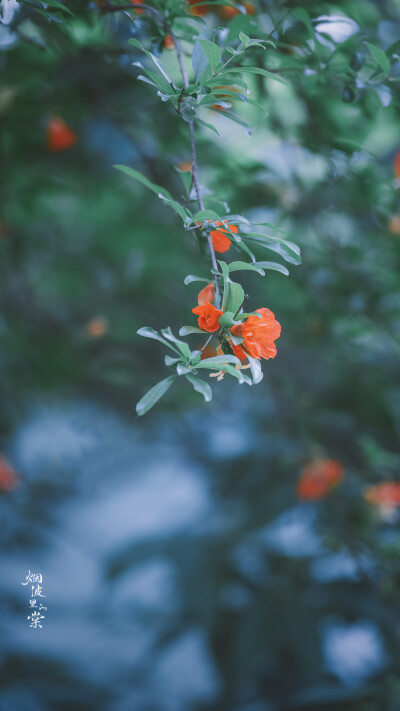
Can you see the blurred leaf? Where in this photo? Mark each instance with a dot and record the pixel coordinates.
(154, 395)
(200, 386)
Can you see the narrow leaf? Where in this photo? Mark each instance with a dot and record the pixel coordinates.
(245, 266)
(200, 386)
(157, 189)
(259, 70)
(379, 57)
(274, 266)
(191, 277)
(187, 330)
(154, 395)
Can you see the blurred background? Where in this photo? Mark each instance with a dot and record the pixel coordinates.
(199, 558)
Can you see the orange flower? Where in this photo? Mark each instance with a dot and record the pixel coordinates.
(238, 351)
(59, 135)
(220, 242)
(250, 9)
(169, 42)
(208, 317)
(259, 334)
(207, 352)
(97, 327)
(397, 165)
(206, 295)
(8, 477)
(318, 478)
(386, 494)
(394, 225)
(200, 9)
(227, 12)
(137, 2)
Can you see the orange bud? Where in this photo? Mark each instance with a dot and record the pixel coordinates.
(206, 295)
(137, 2)
(97, 327)
(318, 478)
(59, 135)
(185, 167)
(8, 477)
(168, 42)
(397, 165)
(394, 225)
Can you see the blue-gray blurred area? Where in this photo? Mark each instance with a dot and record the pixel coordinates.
(182, 570)
(159, 594)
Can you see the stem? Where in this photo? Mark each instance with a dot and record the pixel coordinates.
(207, 341)
(195, 173)
(195, 176)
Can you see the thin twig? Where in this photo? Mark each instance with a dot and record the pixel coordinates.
(284, 16)
(195, 177)
(195, 173)
(207, 341)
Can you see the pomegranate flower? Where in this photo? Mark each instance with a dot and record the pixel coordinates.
(221, 243)
(386, 494)
(206, 295)
(318, 478)
(258, 336)
(59, 135)
(208, 317)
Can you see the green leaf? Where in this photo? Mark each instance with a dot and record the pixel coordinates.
(259, 70)
(206, 215)
(181, 345)
(269, 224)
(218, 360)
(303, 16)
(236, 119)
(182, 369)
(155, 79)
(236, 297)
(226, 319)
(288, 250)
(177, 207)
(154, 395)
(171, 361)
(148, 332)
(191, 277)
(200, 62)
(225, 273)
(212, 52)
(200, 386)
(186, 177)
(245, 266)
(274, 266)
(207, 125)
(58, 5)
(136, 43)
(379, 57)
(255, 367)
(187, 330)
(157, 189)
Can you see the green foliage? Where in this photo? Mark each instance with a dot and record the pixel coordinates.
(80, 240)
